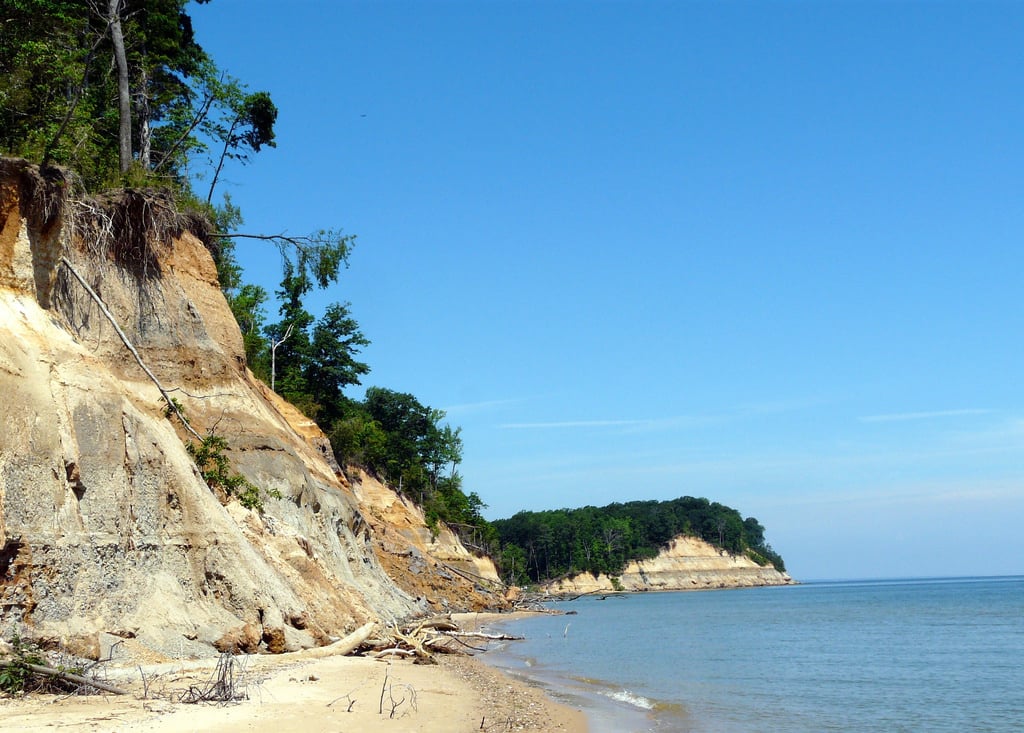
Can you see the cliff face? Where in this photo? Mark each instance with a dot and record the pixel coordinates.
(687, 564)
(106, 526)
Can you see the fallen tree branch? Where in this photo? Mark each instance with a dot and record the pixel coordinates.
(487, 584)
(441, 623)
(128, 345)
(77, 679)
(343, 646)
(394, 651)
(443, 644)
(482, 635)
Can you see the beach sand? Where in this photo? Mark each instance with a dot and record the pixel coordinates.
(292, 693)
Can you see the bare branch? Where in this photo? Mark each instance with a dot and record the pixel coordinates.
(273, 355)
(204, 110)
(54, 672)
(128, 345)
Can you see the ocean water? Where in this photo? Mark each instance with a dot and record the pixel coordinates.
(892, 655)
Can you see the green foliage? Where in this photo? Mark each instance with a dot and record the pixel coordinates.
(358, 440)
(246, 305)
(14, 672)
(215, 468)
(59, 93)
(246, 125)
(174, 408)
(18, 678)
(408, 426)
(225, 218)
(511, 562)
(320, 256)
(291, 338)
(603, 540)
(330, 365)
(405, 443)
(311, 364)
(53, 88)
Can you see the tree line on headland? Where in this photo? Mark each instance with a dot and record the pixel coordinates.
(537, 546)
(120, 92)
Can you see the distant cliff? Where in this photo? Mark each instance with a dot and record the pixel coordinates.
(687, 563)
(107, 529)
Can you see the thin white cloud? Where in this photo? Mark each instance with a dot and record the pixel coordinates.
(470, 407)
(685, 422)
(628, 425)
(906, 416)
(573, 424)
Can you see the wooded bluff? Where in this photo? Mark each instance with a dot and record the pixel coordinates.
(540, 546)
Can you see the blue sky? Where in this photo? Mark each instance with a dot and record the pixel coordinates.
(763, 252)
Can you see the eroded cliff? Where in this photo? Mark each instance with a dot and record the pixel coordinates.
(107, 529)
(687, 563)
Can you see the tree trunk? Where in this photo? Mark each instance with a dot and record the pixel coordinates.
(273, 356)
(223, 156)
(343, 647)
(124, 100)
(145, 130)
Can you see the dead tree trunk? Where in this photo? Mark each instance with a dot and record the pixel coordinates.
(124, 100)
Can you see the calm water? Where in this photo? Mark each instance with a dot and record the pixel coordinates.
(908, 655)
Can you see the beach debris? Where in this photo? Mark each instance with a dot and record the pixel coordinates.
(345, 646)
(422, 639)
(227, 684)
(392, 705)
(534, 602)
(24, 668)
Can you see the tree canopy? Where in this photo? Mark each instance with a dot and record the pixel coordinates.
(106, 87)
(536, 546)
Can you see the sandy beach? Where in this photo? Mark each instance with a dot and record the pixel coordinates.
(299, 693)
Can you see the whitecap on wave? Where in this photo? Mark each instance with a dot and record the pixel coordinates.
(631, 698)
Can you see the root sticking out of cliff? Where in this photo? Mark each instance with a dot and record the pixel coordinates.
(129, 227)
(43, 192)
(124, 226)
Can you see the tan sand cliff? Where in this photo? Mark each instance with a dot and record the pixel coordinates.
(687, 563)
(107, 530)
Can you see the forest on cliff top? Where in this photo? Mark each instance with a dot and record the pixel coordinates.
(539, 546)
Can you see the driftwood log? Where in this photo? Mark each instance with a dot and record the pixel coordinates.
(344, 646)
(481, 635)
(77, 679)
(423, 639)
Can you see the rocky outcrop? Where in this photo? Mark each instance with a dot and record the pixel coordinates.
(108, 531)
(687, 563)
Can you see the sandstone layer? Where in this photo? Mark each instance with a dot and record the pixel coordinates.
(687, 563)
(107, 529)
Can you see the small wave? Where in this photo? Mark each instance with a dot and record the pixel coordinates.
(591, 681)
(631, 698)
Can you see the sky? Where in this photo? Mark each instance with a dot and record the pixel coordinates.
(768, 253)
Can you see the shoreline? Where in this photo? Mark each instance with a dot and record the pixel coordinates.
(604, 712)
(296, 693)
